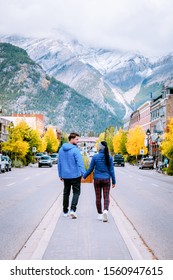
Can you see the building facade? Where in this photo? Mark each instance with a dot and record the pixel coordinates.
(153, 117)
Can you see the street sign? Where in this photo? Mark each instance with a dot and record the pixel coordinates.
(141, 152)
(34, 149)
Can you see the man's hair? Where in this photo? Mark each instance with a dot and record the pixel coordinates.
(72, 135)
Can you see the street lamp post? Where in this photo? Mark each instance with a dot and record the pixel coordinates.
(148, 133)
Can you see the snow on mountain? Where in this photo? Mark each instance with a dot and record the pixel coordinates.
(110, 78)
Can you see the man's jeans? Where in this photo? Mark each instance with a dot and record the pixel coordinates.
(75, 184)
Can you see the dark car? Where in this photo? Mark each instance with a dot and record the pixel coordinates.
(146, 163)
(118, 159)
(45, 161)
(8, 163)
(54, 158)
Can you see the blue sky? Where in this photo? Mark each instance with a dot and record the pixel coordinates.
(131, 25)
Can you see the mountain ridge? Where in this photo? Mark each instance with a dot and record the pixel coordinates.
(114, 80)
(26, 88)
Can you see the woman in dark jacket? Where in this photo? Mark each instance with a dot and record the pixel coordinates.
(102, 164)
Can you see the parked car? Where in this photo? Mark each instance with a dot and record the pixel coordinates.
(118, 159)
(45, 161)
(38, 155)
(8, 163)
(147, 162)
(54, 158)
(2, 164)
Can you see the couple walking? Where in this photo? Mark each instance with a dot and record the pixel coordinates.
(71, 169)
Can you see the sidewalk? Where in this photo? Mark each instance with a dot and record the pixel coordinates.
(85, 238)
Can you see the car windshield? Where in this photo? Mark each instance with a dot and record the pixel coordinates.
(45, 157)
(118, 156)
(53, 156)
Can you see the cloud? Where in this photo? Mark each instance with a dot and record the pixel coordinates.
(144, 26)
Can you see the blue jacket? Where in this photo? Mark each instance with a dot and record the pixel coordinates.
(70, 162)
(101, 170)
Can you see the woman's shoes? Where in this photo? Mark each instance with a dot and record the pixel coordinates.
(105, 215)
(100, 217)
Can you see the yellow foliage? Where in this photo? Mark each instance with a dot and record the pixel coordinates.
(117, 141)
(135, 141)
(51, 139)
(43, 145)
(167, 143)
(21, 148)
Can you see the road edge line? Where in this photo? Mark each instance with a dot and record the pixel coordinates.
(137, 247)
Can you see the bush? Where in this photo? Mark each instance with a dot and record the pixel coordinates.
(170, 168)
(131, 159)
(17, 163)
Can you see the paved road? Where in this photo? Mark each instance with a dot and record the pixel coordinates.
(146, 197)
(26, 195)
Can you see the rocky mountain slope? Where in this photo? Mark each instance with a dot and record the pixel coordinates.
(112, 79)
(26, 88)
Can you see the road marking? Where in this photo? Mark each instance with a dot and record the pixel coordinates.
(138, 249)
(140, 179)
(155, 185)
(27, 178)
(36, 245)
(11, 184)
(8, 177)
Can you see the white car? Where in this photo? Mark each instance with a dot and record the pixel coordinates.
(2, 164)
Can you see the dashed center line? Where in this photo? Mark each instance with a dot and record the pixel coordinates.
(140, 179)
(11, 184)
(155, 185)
(27, 178)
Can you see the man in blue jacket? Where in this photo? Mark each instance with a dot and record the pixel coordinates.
(70, 169)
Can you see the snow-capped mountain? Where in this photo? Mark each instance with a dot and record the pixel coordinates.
(26, 88)
(110, 78)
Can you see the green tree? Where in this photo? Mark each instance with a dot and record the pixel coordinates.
(109, 134)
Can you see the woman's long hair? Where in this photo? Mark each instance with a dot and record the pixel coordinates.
(106, 152)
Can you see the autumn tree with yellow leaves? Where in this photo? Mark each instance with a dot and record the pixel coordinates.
(119, 142)
(51, 139)
(135, 141)
(17, 144)
(167, 145)
(20, 142)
